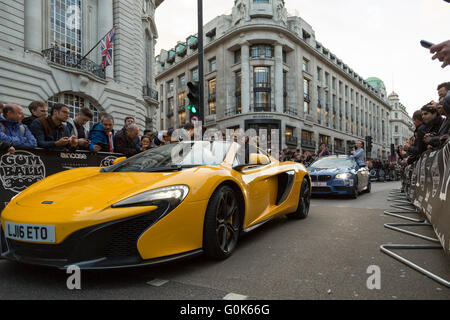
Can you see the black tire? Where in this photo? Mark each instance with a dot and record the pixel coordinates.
(369, 187)
(223, 221)
(304, 202)
(355, 192)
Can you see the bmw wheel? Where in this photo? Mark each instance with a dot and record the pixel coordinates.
(222, 224)
(304, 202)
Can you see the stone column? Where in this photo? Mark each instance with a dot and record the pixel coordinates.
(33, 25)
(245, 60)
(279, 78)
(105, 24)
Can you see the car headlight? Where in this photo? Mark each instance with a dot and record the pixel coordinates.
(171, 196)
(344, 176)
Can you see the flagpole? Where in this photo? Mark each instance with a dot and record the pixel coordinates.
(93, 48)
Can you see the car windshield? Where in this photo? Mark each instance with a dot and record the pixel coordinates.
(175, 156)
(332, 163)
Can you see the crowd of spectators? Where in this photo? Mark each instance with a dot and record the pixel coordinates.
(55, 130)
(432, 127)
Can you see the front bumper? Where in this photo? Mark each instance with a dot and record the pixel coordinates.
(103, 246)
(333, 186)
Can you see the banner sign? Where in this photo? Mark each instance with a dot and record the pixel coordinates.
(25, 167)
(427, 187)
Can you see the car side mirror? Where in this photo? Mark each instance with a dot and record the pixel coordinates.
(258, 159)
(118, 160)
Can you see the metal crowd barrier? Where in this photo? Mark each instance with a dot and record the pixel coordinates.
(25, 167)
(425, 194)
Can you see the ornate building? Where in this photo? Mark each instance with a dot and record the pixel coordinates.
(402, 127)
(42, 43)
(265, 70)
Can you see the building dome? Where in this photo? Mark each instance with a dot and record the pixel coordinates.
(376, 83)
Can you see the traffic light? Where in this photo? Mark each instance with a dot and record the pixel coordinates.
(369, 143)
(194, 98)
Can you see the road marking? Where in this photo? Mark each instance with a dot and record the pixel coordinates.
(234, 296)
(157, 282)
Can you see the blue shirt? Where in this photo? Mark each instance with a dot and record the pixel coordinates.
(360, 156)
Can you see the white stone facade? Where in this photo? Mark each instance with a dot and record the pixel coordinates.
(29, 71)
(402, 127)
(234, 54)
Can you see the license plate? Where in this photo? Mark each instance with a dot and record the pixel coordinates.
(319, 184)
(30, 232)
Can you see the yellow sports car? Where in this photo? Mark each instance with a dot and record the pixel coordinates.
(167, 203)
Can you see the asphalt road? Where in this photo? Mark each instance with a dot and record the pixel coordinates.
(326, 256)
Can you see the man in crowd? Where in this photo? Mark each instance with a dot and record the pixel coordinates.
(77, 128)
(441, 137)
(125, 142)
(1, 107)
(414, 150)
(323, 152)
(443, 89)
(52, 133)
(101, 135)
(129, 121)
(12, 132)
(38, 109)
(432, 121)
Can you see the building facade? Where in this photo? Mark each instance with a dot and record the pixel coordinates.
(42, 43)
(402, 126)
(265, 70)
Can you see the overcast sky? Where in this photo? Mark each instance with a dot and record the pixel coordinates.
(376, 38)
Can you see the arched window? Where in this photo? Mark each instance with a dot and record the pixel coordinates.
(75, 104)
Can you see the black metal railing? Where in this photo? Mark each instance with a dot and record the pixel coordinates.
(73, 60)
(148, 91)
(263, 107)
(308, 143)
(233, 111)
(290, 111)
(291, 141)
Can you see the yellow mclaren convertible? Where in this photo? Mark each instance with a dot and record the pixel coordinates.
(167, 203)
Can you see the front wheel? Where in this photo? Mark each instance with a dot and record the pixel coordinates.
(222, 224)
(304, 202)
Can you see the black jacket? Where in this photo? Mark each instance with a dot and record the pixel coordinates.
(123, 144)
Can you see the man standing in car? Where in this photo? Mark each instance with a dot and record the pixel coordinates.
(359, 154)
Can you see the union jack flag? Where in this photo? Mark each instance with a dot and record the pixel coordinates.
(107, 49)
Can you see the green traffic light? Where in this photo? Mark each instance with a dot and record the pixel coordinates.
(192, 109)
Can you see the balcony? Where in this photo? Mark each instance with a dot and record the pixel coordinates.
(149, 92)
(263, 107)
(308, 143)
(290, 111)
(72, 60)
(233, 111)
(291, 141)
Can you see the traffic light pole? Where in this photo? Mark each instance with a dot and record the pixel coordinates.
(201, 79)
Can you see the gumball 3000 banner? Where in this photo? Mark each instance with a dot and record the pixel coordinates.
(20, 170)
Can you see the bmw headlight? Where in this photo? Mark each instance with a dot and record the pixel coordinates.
(344, 176)
(171, 196)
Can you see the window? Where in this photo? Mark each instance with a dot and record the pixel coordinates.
(333, 81)
(305, 65)
(212, 96)
(262, 51)
(306, 97)
(396, 129)
(181, 81)
(262, 88)
(65, 36)
(260, 1)
(194, 74)
(319, 74)
(170, 86)
(181, 100)
(170, 112)
(237, 56)
(75, 104)
(212, 65)
(238, 87)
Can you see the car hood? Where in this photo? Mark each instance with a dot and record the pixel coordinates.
(333, 171)
(97, 191)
